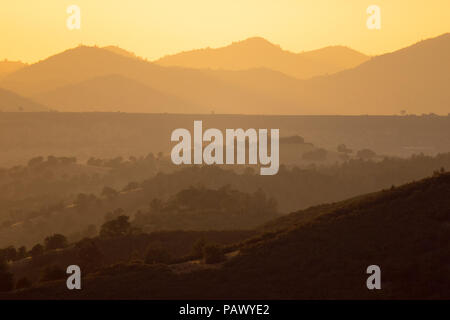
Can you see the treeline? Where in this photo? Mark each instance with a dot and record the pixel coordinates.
(199, 208)
(292, 188)
(34, 189)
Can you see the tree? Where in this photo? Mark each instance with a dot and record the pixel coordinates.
(88, 253)
(111, 215)
(35, 161)
(9, 254)
(37, 250)
(116, 228)
(212, 253)
(131, 186)
(342, 148)
(56, 241)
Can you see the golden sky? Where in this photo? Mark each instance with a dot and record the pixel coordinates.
(34, 30)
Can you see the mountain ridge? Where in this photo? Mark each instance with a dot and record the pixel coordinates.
(257, 52)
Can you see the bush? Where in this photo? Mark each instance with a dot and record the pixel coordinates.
(213, 254)
(89, 254)
(197, 248)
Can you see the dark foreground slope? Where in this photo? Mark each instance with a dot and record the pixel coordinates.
(321, 252)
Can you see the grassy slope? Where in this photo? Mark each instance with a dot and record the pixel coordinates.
(325, 255)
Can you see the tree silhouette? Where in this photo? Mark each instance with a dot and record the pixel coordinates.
(56, 241)
(212, 253)
(37, 250)
(116, 228)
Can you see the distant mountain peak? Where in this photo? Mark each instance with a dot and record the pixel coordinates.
(118, 50)
(257, 52)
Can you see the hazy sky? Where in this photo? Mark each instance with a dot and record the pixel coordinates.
(33, 30)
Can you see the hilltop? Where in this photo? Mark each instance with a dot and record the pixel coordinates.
(257, 52)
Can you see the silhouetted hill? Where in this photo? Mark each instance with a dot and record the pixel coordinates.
(259, 53)
(11, 102)
(414, 79)
(120, 51)
(113, 92)
(83, 63)
(323, 252)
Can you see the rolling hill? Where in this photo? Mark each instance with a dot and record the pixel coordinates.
(83, 63)
(318, 253)
(7, 67)
(113, 92)
(413, 79)
(11, 102)
(259, 53)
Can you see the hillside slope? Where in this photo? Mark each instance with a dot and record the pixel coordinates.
(113, 92)
(11, 102)
(413, 79)
(7, 67)
(323, 252)
(194, 86)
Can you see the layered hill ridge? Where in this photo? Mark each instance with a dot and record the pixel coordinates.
(83, 63)
(7, 67)
(257, 52)
(113, 92)
(413, 79)
(12, 102)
